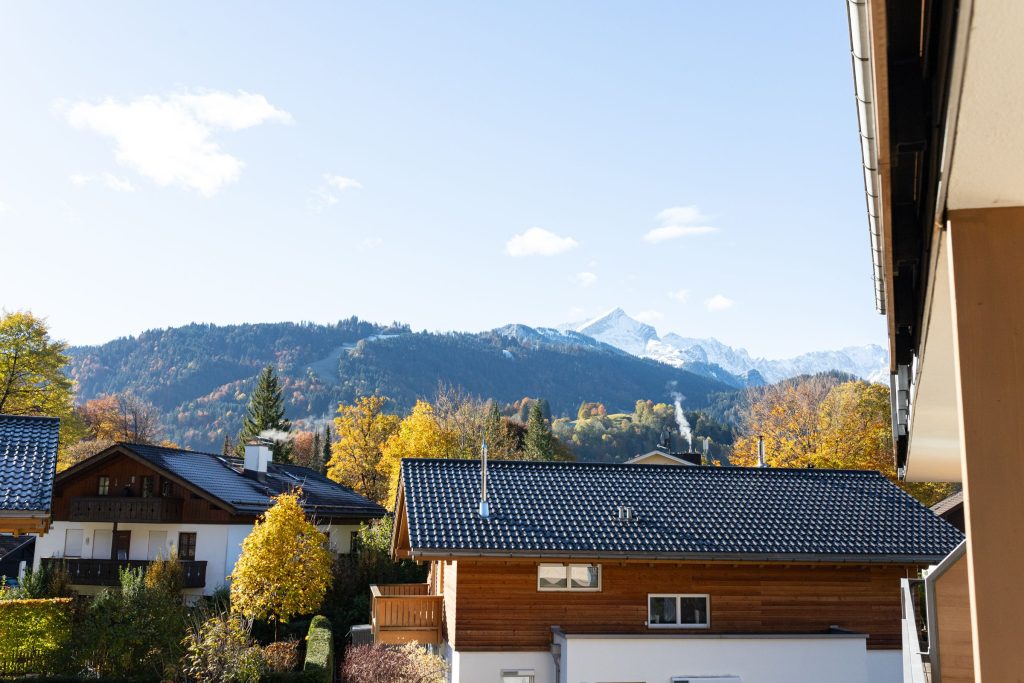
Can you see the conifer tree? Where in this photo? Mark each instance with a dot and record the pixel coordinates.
(226, 448)
(315, 451)
(266, 412)
(540, 442)
(326, 446)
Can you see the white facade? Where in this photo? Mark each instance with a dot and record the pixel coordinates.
(219, 545)
(836, 658)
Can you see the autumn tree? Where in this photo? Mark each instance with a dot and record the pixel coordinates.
(849, 427)
(285, 568)
(121, 417)
(265, 413)
(361, 431)
(419, 435)
(32, 379)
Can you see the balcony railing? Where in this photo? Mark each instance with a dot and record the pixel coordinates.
(108, 572)
(406, 612)
(125, 509)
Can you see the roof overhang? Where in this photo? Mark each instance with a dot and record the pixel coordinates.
(430, 554)
(20, 522)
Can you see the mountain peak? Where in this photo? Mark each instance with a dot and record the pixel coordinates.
(618, 329)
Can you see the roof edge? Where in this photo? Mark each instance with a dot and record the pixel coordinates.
(812, 558)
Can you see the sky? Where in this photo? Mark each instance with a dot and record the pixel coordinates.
(450, 165)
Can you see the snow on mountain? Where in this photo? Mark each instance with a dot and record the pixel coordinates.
(617, 329)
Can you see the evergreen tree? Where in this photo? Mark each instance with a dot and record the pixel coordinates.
(226, 448)
(540, 442)
(266, 412)
(326, 446)
(315, 451)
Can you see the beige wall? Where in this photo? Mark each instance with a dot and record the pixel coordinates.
(953, 623)
(986, 263)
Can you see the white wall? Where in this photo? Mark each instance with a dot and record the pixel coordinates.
(807, 659)
(486, 667)
(885, 666)
(218, 544)
(340, 536)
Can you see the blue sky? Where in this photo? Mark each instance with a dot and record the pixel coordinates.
(450, 165)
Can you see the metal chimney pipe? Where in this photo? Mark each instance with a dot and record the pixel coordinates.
(760, 452)
(485, 508)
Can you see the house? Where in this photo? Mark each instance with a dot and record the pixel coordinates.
(951, 509)
(938, 86)
(599, 572)
(133, 503)
(659, 457)
(28, 463)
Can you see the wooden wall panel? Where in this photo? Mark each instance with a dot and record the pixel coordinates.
(953, 617)
(450, 571)
(500, 608)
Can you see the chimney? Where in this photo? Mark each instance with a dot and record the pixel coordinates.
(760, 452)
(485, 508)
(257, 456)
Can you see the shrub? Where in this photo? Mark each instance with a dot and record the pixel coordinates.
(128, 631)
(219, 649)
(320, 648)
(33, 634)
(49, 581)
(384, 663)
(282, 655)
(166, 575)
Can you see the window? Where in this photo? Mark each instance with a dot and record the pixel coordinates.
(186, 546)
(569, 577)
(147, 487)
(518, 677)
(165, 487)
(73, 543)
(157, 545)
(678, 611)
(103, 486)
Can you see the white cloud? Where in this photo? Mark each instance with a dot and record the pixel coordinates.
(371, 242)
(719, 303)
(585, 279)
(671, 232)
(680, 214)
(680, 295)
(676, 222)
(169, 139)
(108, 180)
(342, 183)
(538, 241)
(649, 317)
(575, 313)
(4, 208)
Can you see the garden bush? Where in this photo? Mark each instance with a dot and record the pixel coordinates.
(33, 634)
(282, 656)
(219, 648)
(320, 648)
(387, 663)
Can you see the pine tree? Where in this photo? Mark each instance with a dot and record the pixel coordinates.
(326, 446)
(226, 448)
(315, 451)
(266, 412)
(540, 442)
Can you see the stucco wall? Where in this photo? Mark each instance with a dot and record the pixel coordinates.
(486, 667)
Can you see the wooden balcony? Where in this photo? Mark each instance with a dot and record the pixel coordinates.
(125, 509)
(108, 572)
(406, 612)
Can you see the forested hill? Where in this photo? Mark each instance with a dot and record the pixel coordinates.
(199, 376)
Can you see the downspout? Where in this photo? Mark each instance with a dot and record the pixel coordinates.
(860, 55)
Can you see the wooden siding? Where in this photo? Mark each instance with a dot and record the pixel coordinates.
(500, 608)
(121, 468)
(449, 575)
(953, 622)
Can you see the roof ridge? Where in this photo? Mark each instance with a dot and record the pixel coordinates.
(633, 466)
(30, 417)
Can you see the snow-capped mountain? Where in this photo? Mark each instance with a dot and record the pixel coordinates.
(707, 356)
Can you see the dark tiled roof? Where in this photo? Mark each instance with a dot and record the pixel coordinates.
(948, 503)
(222, 478)
(28, 461)
(696, 512)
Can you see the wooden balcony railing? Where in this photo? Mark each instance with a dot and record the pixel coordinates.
(406, 612)
(108, 572)
(125, 509)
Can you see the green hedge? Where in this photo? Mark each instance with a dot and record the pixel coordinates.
(33, 634)
(320, 649)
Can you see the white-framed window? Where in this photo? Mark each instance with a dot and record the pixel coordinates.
(679, 610)
(511, 676)
(568, 577)
(73, 542)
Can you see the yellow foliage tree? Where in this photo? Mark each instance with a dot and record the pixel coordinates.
(285, 568)
(419, 435)
(846, 427)
(362, 429)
